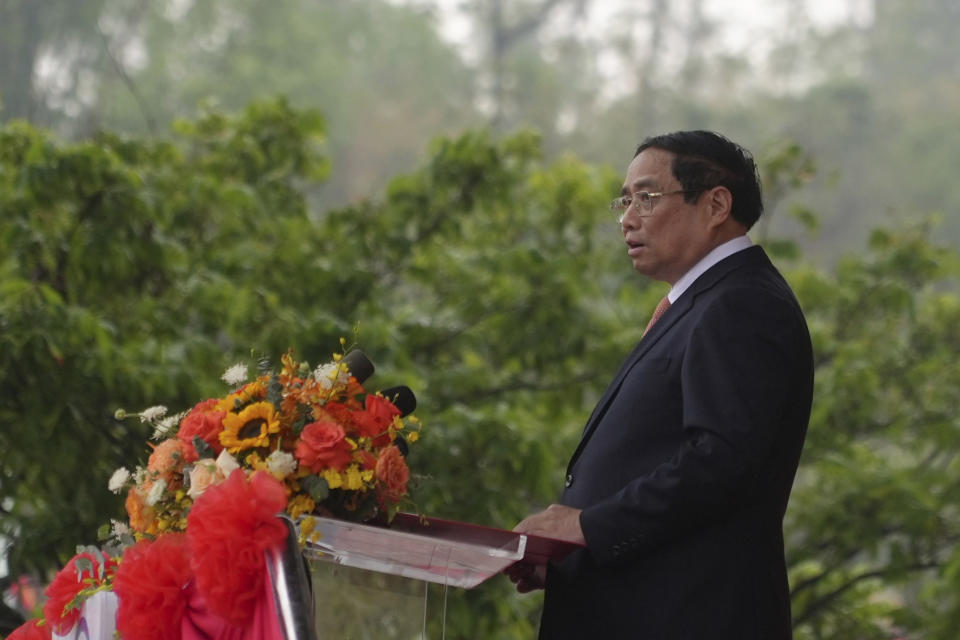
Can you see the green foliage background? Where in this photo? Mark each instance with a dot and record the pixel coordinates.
(134, 270)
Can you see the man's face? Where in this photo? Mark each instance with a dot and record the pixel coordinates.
(666, 242)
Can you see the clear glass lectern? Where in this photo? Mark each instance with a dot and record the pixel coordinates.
(380, 582)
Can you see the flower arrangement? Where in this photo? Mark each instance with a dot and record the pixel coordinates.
(337, 449)
(202, 512)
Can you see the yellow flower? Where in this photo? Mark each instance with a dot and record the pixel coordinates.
(352, 478)
(334, 481)
(307, 525)
(250, 391)
(250, 428)
(256, 462)
(413, 436)
(300, 504)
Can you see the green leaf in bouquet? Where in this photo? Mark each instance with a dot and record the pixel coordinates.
(203, 449)
(83, 565)
(275, 392)
(316, 486)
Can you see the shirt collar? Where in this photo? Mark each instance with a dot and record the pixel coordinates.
(718, 253)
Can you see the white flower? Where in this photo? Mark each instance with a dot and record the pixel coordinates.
(331, 373)
(139, 475)
(164, 426)
(119, 529)
(118, 480)
(153, 413)
(281, 463)
(156, 492)
(226, 463)
(235, 375)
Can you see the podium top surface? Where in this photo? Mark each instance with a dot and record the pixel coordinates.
(538, 549)
(431, 549)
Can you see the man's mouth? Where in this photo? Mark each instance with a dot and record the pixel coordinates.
(634, 248)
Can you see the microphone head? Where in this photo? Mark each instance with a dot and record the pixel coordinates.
(402, 445)
(359, 365)
(402, 398)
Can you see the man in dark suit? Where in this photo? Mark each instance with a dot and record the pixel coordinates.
(680, 482)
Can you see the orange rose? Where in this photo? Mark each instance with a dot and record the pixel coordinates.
(167, 461)
(323, 445)
(392, 473)
(336, 412)
(205, 421)
(141, 516)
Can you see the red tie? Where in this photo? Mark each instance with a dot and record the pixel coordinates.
(662, 306)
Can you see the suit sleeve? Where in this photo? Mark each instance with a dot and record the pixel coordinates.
(745, 370)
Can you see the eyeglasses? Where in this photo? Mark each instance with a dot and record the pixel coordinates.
(645, 202)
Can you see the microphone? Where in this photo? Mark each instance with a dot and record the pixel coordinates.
(402, 398)
(359, 366)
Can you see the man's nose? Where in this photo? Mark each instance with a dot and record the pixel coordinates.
(629, 221)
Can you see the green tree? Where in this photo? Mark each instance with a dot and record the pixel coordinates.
(872, 526)
(127, 271)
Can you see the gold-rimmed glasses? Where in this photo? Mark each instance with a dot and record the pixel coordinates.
(644, 202)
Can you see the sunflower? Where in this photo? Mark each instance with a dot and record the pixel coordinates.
(250, 391)
(250, 428)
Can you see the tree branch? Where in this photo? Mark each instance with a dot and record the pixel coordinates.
(825, 600)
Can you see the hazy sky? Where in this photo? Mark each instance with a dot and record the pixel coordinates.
(743, 25)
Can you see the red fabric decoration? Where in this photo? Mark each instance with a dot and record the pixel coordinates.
(200, 624)
(150, 587)
(376, 418)
(322, 446)
(31, 630)
(229, 527)
(204, 421)
(65, 587)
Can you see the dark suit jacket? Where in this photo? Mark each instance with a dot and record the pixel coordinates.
(684, 470)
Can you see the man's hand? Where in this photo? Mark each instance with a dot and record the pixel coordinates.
(556, 521)
(527, 577)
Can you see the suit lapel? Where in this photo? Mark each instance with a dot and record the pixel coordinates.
(680, 308)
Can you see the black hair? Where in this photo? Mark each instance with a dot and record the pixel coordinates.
(704, 160)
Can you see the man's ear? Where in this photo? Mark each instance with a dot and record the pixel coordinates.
(720, 202)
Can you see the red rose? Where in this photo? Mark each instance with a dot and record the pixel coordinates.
(150, 588)
(203, 421)
(339, 412)
(65, 587)
(392, 473)
(323, 445)
(376, 418)
(31, 630)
